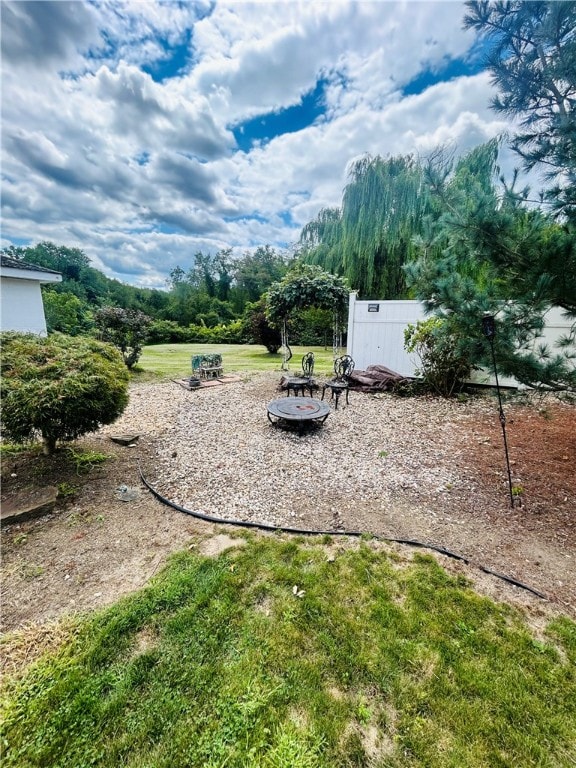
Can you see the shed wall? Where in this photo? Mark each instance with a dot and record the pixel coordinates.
(377, 337)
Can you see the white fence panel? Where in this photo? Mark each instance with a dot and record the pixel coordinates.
(376, 333)
(376, 336)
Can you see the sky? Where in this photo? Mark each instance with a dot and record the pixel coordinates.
(144, 132)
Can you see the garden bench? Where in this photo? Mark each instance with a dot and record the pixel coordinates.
(207, 366)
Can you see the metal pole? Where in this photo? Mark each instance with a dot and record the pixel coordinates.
(489, 329)
(503, 423)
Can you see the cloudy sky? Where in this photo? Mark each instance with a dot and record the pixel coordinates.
(143, 132)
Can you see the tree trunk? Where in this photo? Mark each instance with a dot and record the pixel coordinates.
(48, 445)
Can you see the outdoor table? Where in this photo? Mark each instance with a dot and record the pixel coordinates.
(299, 384)
(298, 410)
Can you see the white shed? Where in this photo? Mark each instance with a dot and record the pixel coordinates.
(376, 336)
(22, 308)
(376, 333)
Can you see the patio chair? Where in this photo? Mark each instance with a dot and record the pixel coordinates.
(304, 381)
(343, 369)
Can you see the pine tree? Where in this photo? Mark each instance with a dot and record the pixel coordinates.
(532, 59)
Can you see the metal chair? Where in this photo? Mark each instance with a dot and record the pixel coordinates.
(343, 368)
(303, 382)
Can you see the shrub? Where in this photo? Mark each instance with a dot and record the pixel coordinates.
(260, 330)
(230, 333)
(127, 329)
(167, 332)
(60, 387)
(444, 367)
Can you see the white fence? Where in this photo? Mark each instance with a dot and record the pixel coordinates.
(376, 335)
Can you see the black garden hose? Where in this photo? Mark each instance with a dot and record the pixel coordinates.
(353, 534)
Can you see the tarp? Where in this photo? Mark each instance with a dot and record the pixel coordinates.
(376, 378)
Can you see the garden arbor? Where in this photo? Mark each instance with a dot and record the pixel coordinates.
(303, 287)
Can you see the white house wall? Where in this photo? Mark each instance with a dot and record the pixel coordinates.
(21, 306)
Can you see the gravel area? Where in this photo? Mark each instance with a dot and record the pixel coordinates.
(222, 457)
(425, 469)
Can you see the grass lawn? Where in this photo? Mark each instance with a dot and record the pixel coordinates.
(174, 359)
(297, 653)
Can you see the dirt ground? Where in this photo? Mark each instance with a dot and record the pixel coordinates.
(108, 534)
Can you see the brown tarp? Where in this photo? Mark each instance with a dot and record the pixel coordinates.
(376, 378)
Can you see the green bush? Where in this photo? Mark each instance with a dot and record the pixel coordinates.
(231, 333)
(169, 332)
(444, 367)
(260, 330)
(127, 329)
(60, 387)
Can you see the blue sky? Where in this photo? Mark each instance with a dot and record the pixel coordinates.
(143, 132)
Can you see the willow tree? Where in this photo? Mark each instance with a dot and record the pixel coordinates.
(370, 238)
(303, 287)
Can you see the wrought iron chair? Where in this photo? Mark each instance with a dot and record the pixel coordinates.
(343, 368)
(304, 381)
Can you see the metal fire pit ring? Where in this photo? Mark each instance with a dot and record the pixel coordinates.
(298, 410)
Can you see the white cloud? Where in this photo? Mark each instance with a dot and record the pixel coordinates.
(53, 33)
(142, 174)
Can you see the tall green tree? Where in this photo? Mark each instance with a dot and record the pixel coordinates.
(488, 252)
(256, 271)
(532, 58)
(370, 238)
(66, 313)
(69, 261)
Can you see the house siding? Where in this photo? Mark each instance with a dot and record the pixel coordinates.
(22, 307)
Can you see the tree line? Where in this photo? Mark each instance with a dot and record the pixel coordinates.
(214, 291)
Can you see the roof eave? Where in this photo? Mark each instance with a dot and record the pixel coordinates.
(31, 274)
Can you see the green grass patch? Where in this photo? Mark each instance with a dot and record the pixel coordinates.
(8, 450)
(218, 662)
(86, 460)
(173, 360)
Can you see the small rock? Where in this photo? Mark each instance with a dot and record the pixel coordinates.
(124, 439)
(124, 493)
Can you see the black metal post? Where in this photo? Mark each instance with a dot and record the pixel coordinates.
(489, 330)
